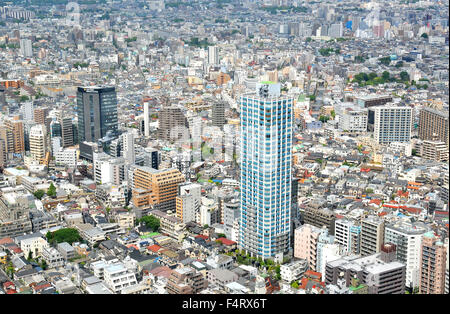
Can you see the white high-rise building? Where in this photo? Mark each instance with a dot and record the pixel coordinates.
(128, 147)
(146, 119)
(352, 119)
(26, 48)
(213, 55)
(38, 142)
(66, 157)
(347, 234)
(392, 123)
(408, 238)
(266, 175)
(28, 111)
(188, 201)
(118, 277)
(329, 252)
(336, 30)
(108, 169)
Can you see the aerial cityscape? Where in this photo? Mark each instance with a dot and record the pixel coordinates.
(224, 147)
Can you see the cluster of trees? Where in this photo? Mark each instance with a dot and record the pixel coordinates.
(39, 194)
(199, 43)
(419, 86)
(69, 235)
(324, 119)
(275, 9)
(24, 98)
(221, 21)
(80, 64)
(364, 79)
(131, 39)
(327, 51)
(359, 59)
(385, 60)
(150, 222)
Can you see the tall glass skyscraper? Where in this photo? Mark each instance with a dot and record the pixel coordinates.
(266, 153)
(97, 112)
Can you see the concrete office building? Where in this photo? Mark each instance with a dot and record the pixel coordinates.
(157, 188)
(266, 175)
(213, 55)
(380, 272)
(186, 280)
(306, 238)
(38, 141)
(347, 233)
(15, 139)
(353, 119)
(41, 115)
(97, 112)
(433, 125)
(26, 48)
(128, 147)
(2, 96)
(218, 114)
(372, 235)
(434, 150)
(433, 263)
(173, 124)
(66, 131)
(231, 215)
(146, 118)
(373, 100)
(27, 111)
(319, 217)
(408, 238)
(152, 158)
(392, 123)
(188, 201)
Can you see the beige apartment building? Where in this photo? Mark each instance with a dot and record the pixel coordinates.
(157, 188)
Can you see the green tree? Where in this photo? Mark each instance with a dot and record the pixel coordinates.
(51, 190)
(24, 98)
(324, 118)
(385, 60)
(39, 194)
(278, 272)
(385, 75)
(10, 270)
(404, 76)
(44, 265)
(151, 222)
(295, 285)
(69, 235)
(369, 191)
(424, 35)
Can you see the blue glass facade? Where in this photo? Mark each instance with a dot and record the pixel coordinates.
(266, 146)
(97, 112)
